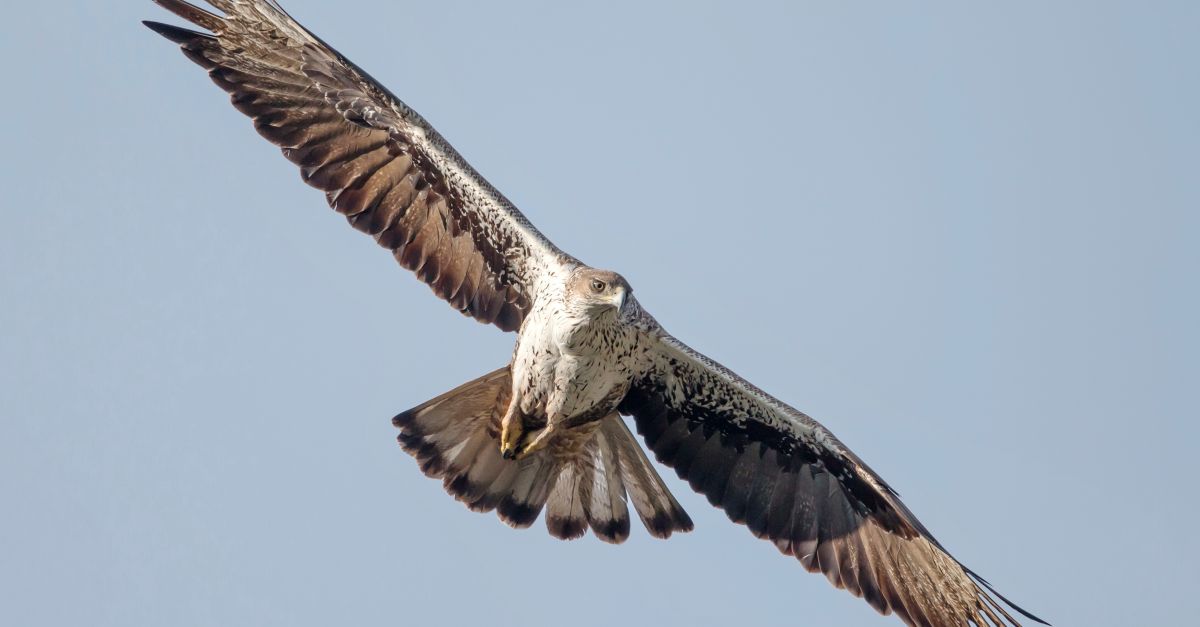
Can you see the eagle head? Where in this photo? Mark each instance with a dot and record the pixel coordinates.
(598, 291)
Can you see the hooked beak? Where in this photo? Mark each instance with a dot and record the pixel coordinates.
(618, 298)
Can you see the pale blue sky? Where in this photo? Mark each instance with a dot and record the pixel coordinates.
(962, 235)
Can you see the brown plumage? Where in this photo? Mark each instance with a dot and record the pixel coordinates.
(829, 511)
(545, 432)
(382, 167)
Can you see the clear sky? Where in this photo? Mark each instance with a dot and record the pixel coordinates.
(962, 235)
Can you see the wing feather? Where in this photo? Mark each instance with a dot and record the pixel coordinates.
(793, 483)
(379, 163)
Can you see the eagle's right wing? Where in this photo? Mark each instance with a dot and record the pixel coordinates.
(379, 163)
(793, 483)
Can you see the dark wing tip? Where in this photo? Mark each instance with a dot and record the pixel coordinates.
(683, 522)
(175, 33)
(983, 582)
(403, 419)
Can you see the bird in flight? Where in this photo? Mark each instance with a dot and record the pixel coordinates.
(546, 430)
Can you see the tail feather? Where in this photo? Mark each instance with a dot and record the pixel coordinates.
(607, 513)
(565, 515)
(582, 479)
(524, 501)
(476, 477)
(656, 506)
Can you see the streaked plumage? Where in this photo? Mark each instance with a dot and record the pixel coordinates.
(586, 351)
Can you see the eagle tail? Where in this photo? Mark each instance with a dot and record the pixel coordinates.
(582, 480)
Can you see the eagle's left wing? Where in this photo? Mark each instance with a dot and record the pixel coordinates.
(379, 163)
(792, 482)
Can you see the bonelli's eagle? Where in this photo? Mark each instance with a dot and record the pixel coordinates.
(545, 431)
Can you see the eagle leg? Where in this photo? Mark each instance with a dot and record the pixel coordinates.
(512, 430)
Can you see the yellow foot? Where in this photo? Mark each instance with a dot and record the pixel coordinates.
(511, 432)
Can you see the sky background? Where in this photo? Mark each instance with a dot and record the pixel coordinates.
(962, 235)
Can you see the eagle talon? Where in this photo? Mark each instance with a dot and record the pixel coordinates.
(512, 431)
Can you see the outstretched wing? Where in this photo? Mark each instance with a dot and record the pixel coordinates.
(379, 163)
(792, 482)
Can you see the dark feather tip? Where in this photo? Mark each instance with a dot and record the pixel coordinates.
(432, 464)
(410, 442)
(174, 33)
(458, 486)
(402, 419)
(516, 514)
(663, 524)
(660, 526)
(566, 528)
(614, 531)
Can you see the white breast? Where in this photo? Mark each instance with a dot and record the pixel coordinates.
(564, 364)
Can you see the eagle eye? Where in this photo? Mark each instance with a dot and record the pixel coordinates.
(598, 285)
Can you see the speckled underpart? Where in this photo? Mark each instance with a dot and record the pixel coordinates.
(574, 358)
(586, 351)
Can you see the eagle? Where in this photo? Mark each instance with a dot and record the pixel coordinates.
(545, 432)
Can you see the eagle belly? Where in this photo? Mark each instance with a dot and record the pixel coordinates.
(569, 370)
